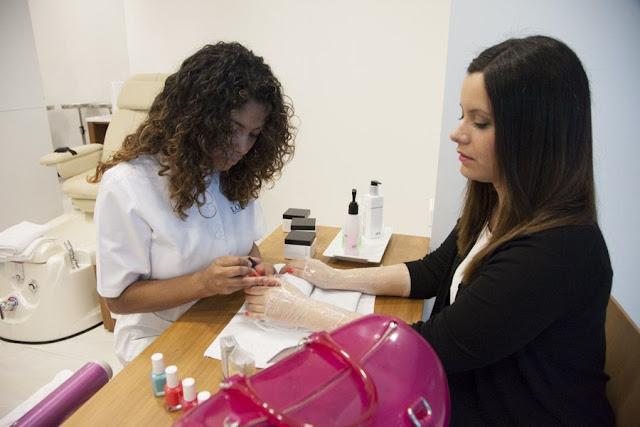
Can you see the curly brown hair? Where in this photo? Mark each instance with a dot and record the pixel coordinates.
(189, 124)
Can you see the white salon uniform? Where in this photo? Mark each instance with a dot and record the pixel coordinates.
(140, 237)
(481, 242)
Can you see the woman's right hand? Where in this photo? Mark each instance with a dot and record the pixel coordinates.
(229, 274)
(390, 280)
(314, 271)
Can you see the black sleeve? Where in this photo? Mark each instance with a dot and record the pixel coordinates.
(518, 292)
(428, 273)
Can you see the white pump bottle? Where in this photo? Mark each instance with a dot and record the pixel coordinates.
(373, 203)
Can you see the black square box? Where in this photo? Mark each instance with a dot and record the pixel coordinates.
(303, 224)
(296, 213)
(301, 238)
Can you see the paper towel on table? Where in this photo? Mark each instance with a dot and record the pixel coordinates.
(300, 283)
(265, 341)
(343, 299)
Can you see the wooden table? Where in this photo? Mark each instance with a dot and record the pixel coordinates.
(127, 398)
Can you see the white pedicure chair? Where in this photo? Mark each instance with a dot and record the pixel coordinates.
(52, 295)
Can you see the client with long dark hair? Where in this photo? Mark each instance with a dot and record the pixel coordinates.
(523, 280)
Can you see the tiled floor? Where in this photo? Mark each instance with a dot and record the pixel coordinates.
(26, 368)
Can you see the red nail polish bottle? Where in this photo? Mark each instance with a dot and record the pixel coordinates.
(172, 389)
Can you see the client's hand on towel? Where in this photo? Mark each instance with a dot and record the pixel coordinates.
(285, 305)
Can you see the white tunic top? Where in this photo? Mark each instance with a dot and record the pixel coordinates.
(140, 237)
(483, 240)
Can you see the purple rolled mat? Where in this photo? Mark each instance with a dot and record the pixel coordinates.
(69, 396)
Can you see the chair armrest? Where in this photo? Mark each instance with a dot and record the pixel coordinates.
(53, 159)
(69, 165)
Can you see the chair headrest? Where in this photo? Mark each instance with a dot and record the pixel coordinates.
(139, 91)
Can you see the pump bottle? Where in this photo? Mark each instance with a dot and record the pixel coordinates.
(373, 203)
(351, 230)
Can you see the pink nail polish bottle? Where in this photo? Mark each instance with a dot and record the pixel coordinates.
(189, 399)
(203, 396)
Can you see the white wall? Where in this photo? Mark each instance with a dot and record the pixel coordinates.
(28, 191)
(81, 47)
(605, 35)
(366, 79)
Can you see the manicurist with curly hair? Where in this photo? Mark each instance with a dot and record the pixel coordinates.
(176, 213)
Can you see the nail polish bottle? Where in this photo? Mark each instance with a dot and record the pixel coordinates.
(203, 396)
(172, 389)
(158, 377)
(351, 229)
(227, 345)
(241, 362)
(188, 394)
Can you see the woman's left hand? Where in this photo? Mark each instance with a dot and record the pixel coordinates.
(280, 302)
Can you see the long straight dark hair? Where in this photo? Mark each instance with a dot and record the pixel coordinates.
(539, 94)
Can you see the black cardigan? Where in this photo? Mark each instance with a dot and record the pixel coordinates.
(524, 342)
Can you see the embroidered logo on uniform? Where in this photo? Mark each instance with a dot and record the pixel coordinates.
(235, 208)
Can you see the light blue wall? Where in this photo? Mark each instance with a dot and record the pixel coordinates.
(606, 36)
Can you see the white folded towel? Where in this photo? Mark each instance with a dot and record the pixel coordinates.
(16, 239)
(27, 253)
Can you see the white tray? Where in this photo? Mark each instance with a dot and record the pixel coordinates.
(370, 251)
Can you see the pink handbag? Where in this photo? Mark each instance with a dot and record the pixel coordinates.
(374, 371)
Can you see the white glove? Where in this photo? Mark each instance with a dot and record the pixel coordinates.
(390, 280)
(285, 305)
(314, 271)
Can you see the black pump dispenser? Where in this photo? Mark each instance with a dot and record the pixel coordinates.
(373, 188)
(353, 206)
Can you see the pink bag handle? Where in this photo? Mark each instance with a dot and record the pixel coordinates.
(322, 341)
(240, 385)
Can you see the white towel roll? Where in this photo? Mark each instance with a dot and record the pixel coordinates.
(16, 238)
